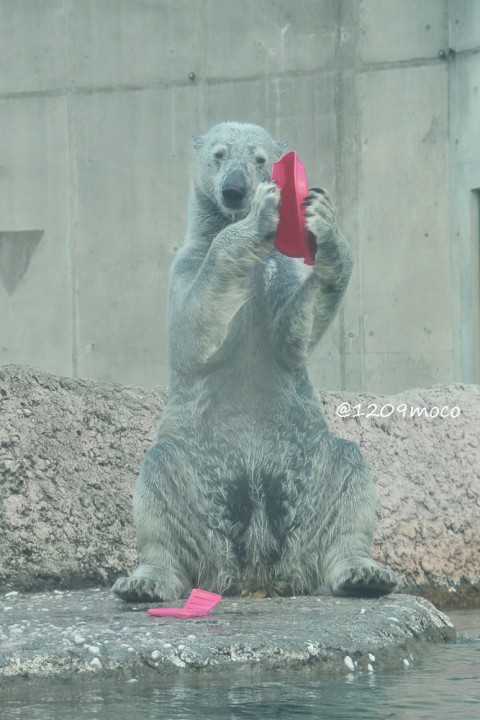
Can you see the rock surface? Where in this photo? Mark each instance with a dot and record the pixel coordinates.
(70, 451)
(427, 473)
(87, 634)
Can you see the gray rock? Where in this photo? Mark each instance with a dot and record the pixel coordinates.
(67, 468)
(427, 472)
(328, 634)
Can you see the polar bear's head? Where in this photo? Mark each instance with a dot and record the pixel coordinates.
(231, 160)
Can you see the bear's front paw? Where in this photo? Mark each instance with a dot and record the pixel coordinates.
(333, 261)
(264, 210)
(320, 213)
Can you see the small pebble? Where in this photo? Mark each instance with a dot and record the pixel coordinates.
(370, 668)
(156, 654)
(78, 640)
(405, 662)
(371, 657)
(94, 649)
(12, 593)
(95, 663)
(363, 611)
(349, 663)
(191, 637)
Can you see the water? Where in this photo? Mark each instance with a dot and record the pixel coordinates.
(443, 685)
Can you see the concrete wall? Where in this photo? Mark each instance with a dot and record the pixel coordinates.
(464, 158)
(98, 99)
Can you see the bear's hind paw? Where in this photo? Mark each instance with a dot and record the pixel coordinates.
(141, 589)
(365, 580)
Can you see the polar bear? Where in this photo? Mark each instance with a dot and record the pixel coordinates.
(245, 490)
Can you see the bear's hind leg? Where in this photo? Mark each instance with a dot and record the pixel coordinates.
(173, 515)
(333, 516)
(347, 566)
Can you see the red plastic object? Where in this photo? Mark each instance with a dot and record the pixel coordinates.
(198, 604)
(293, 238)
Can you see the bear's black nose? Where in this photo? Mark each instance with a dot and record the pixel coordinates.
(234, 189)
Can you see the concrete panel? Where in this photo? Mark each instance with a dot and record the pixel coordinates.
(35, 301)
(346, 199)
(33, 49)
(257, 38)
(351, 338)
(465, 253)
(245, 101)
(465, 185)
(395, 31)
(133, 42)
(132, 169)
(465, 109)
(393, 372)
(464, 24)
(404, 223)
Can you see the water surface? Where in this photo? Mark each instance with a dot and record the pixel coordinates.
(443, 685)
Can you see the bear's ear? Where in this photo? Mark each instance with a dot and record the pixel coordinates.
(279, 147)
(197, 141)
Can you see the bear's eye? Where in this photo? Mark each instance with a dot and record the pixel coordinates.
(260, 160)
(219, 154)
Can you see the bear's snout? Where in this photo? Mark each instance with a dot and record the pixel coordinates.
(234, 189)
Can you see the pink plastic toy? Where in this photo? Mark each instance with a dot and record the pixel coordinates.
(198, 604)
(293, 238)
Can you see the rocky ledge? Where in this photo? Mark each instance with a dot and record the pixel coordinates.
(89, 635)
